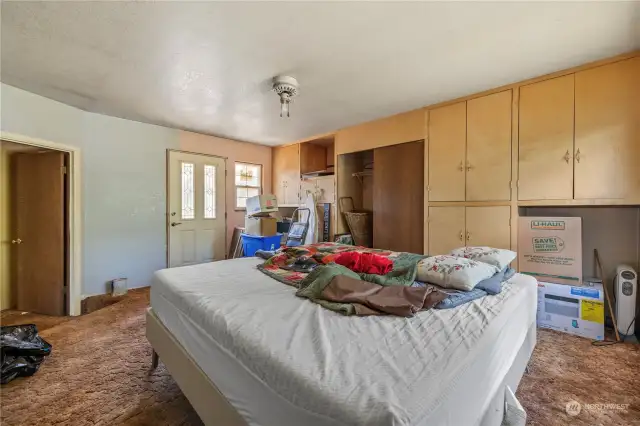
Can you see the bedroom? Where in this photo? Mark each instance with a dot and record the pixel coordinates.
(472, 86)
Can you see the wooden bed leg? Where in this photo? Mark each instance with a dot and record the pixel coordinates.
(154, 360)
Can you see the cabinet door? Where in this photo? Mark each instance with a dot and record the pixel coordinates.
(607, 130)
(313, 158)
(398, 197)
(447, 140)
(326, 189)
(446, 229)
(489, 147)
(545, 154)
(489, 226)
(286, 174)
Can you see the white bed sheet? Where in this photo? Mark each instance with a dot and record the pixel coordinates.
(281, 360)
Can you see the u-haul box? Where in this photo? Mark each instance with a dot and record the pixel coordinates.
(550, 249)
(571, 309)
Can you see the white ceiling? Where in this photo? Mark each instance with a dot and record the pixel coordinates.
(207, 67)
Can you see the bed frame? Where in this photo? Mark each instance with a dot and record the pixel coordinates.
(215, 410)
(212, 407)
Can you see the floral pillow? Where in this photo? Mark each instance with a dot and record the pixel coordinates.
(499, 258)
(454, 272)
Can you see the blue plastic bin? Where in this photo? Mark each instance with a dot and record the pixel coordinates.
(253, 243)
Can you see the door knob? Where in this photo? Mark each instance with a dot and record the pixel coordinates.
(468, 236)
(578, 155)
(567, 157)
(461, 236)
(461, 167)
(176, 223)
(469, 166)
(16, 241)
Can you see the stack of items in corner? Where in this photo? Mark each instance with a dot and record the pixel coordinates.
(466, 274)
(259, 226)
(356, 280)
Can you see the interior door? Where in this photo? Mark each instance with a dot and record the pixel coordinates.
(39, 231)
(545, 155)
(197, 208)
(398, 197)
(489, 226)
(446, 229)
(607, 143)
(447, 145)
(489, 147)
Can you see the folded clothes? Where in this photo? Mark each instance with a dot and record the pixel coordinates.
(493, 285)
(458, 297)
(368, 263)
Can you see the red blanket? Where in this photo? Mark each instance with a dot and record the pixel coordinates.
(368, 263)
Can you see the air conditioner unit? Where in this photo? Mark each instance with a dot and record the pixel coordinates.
(625, 286)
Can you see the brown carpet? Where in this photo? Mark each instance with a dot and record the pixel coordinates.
(98, 374)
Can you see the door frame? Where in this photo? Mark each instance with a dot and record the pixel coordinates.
(74, 212)
(168, 195)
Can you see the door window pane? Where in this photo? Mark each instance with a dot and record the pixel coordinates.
(209, 191)
(188, 202)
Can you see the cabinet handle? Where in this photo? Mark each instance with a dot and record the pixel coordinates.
(567, 157)
(461, 167)
(468, 236)
(461, 235)
(578, 155)
(469, 166)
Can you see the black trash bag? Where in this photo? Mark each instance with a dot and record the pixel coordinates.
(22, 351)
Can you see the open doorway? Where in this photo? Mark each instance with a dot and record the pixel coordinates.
(35, 190)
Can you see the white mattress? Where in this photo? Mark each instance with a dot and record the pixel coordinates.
(281, 360)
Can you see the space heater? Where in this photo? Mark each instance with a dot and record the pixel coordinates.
(625, 287)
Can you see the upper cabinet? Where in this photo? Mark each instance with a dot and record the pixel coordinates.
(546, 140)
(489, 147)
(286, 174)
(447, 152)
(579, 135)
(470, 150)
(313, 158)
(607, 131)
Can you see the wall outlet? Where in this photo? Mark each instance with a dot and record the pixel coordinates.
(119, 287)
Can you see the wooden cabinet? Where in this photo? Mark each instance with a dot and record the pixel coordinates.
(447, 152)
(488, 161)
(446, 229)
(607, 131)
(489, 226)
(323, 187)
(546, 140)
(398, 197)
(286, 174)
(313, 158)
(470, 150)
(453, 227)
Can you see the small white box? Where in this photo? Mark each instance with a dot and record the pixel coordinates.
(571, 309)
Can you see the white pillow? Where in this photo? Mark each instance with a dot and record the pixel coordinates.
(499, 258)
(454, 272)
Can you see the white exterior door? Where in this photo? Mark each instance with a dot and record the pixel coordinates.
(196, 219)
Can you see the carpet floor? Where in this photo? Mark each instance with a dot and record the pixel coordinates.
(98, 374)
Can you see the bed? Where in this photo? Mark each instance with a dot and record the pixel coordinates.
(246, 351)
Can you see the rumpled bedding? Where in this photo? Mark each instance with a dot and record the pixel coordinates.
(369, 263)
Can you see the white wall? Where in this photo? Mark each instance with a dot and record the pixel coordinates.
(123, 193)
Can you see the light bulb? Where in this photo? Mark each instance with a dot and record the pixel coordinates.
(284, 108)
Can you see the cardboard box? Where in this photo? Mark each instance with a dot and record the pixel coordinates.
(260, 226)
(262, 205)
(550, 249)
(571, 309)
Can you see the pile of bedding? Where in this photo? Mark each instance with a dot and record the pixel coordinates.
(361, 281)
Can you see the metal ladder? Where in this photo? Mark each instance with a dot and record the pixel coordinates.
(298, 230)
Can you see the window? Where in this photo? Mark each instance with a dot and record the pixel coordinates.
(248, 183)
(209, 191)
(188, 202)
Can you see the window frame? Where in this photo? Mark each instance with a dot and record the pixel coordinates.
(235, 186)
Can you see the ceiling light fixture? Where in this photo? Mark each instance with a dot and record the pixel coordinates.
(287, 88)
